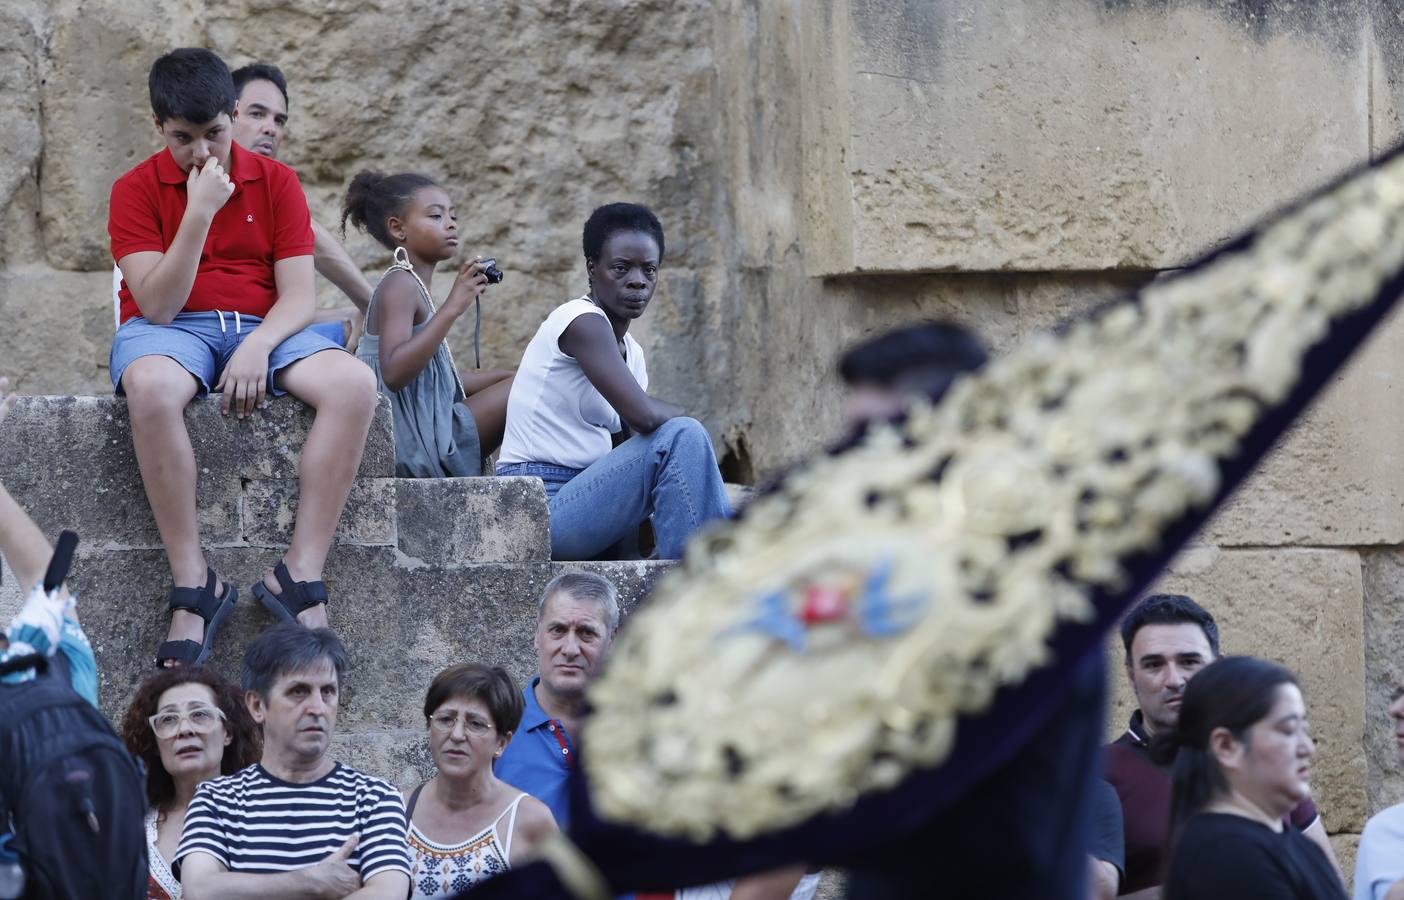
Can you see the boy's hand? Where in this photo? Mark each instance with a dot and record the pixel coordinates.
(208, 188)
(466, 287)
(245, 379)
(7, 399)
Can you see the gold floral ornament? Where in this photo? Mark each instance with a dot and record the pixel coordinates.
(824, 646)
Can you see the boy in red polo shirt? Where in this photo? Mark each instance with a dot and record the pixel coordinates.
(215, 248)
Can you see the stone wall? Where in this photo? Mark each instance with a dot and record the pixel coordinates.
(825, 169)
(422, 573)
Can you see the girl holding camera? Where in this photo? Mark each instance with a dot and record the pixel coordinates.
(446, 424)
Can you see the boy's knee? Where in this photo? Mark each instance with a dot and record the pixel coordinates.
(358, 388)
(156, 385)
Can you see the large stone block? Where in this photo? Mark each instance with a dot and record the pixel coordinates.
(401, 621)
(464, 521)
(57, 330)
(69, 460)
(22, 140)
(97, 114)
(1337, 479)
(269, 511)
(1036, 136)
(1301, 608)
(1384, 663)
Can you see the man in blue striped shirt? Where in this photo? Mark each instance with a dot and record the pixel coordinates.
(298, 823)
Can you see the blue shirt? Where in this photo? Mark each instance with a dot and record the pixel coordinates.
(540, 757)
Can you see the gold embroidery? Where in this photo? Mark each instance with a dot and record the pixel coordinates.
(728, 707)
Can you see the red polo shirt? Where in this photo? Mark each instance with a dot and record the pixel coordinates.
(264, 220)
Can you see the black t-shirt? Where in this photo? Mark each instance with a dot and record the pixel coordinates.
(1222, 855)
(1107, 841)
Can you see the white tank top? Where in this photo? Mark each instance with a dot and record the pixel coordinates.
(554, 414)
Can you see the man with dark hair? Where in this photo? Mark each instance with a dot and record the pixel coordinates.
(260, 123)
(1168, 639)
(298, 823)
(215, 248)
(885, 373)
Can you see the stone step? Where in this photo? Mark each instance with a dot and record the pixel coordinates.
(423, 573)
(402, 620)
(69, 460)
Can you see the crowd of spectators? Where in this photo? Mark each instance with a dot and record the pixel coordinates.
(1206, 794)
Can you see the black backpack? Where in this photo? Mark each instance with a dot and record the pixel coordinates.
(72, 794)
(70, 790)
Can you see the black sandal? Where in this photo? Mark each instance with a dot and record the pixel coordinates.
(203, 603)
(296, 597)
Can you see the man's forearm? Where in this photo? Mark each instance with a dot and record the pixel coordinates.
(335, 265)
(247, 886)
(166, 288)
(384, 886)
(22, 543)
(289, 315)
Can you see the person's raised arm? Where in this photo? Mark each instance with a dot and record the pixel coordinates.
(590, 339)
(334, 264)
(245, 378)
(21, 542)
(160, 282)
(404, 354)
(202, 876)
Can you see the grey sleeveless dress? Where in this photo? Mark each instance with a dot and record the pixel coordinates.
(435, 435)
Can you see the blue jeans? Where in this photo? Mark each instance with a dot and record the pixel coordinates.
(669, 475)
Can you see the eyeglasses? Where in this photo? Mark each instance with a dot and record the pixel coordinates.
(472, 726)
(202, 719)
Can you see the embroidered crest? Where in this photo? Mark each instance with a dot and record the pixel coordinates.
(878, 595)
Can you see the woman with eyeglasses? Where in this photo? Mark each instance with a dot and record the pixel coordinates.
(465, 825)
(187, 724)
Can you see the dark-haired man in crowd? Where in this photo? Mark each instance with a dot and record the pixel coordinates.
(1168, 639)
(884, 374)
(260, 123)
(299, 823)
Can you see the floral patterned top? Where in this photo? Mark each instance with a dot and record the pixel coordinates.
(441, 870)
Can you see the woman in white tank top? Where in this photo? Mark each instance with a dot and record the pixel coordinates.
(465, 824)
(581, 389)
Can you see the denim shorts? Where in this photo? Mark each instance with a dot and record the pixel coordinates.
(203, 342)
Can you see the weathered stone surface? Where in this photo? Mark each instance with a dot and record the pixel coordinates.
(463, 521)
(1386, 76)
(634, 579)
(971, 146)
(1384, 666)
(56, 331)
(400, 756)
(1302, 608)
(69, 461)
(401, 622)
(97, 113)
(94, 431)
(1338, 478)
(270, 510)
(21, 140)
(1345, 845)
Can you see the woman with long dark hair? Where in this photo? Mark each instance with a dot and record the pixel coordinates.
(1242, 756)
(187, 724)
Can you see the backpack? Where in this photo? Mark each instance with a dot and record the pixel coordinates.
(73, 795)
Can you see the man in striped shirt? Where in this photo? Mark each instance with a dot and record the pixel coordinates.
(298, 823)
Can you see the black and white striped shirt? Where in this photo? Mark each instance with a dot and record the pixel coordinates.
(253, 822)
